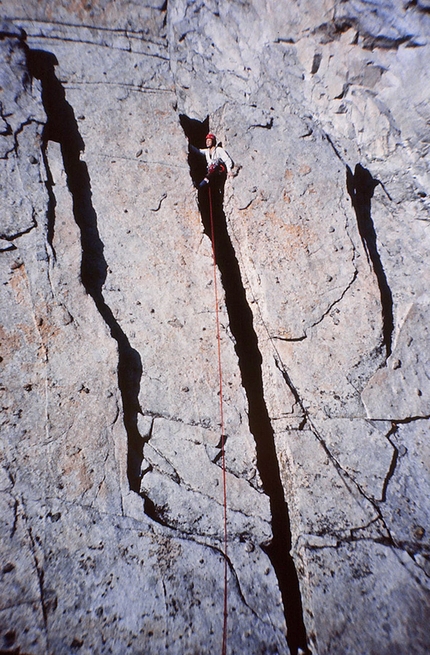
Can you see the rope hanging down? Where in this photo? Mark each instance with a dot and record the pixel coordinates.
(218, 336)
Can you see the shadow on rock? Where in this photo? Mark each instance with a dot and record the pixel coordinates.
(61, 126)
(361, 186)
(250, 361)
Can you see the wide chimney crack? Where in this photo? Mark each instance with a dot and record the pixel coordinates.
(250, 364)
(61, 126)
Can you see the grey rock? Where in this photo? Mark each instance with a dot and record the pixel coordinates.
(111, 483)
(382, 577)
(405, 513)
(395, 391)
(22, 116)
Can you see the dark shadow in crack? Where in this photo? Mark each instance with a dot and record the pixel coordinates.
(61, 126)
(250, 361)
(52, 202)
(361, 186)
(195, 131)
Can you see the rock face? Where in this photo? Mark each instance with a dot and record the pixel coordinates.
(111, 477)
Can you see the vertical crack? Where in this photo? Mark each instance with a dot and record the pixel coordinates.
(38, 567)
(361, 186)
(347, 478)
(52, 202)
(394, 461)
(250, 364)
(61, 126)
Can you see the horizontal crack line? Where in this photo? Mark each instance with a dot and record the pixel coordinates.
(122, 85)
(64, 39)
(138, 160)
(82, 26)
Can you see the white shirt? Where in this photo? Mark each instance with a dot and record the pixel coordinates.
(217, 153)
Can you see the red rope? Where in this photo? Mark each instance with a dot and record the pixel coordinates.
(221, 409)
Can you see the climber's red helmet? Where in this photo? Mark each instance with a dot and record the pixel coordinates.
(212, 138)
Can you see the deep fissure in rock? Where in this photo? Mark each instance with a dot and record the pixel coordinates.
(61, 126)
(52, 202)
(361, 186)
(250, 361)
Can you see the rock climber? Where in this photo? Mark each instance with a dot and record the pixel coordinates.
(219, 163)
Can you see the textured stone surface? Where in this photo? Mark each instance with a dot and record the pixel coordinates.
(395, 391)
(110, 478)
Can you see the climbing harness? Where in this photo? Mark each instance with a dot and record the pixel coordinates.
(221, 409)
(217, 167)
